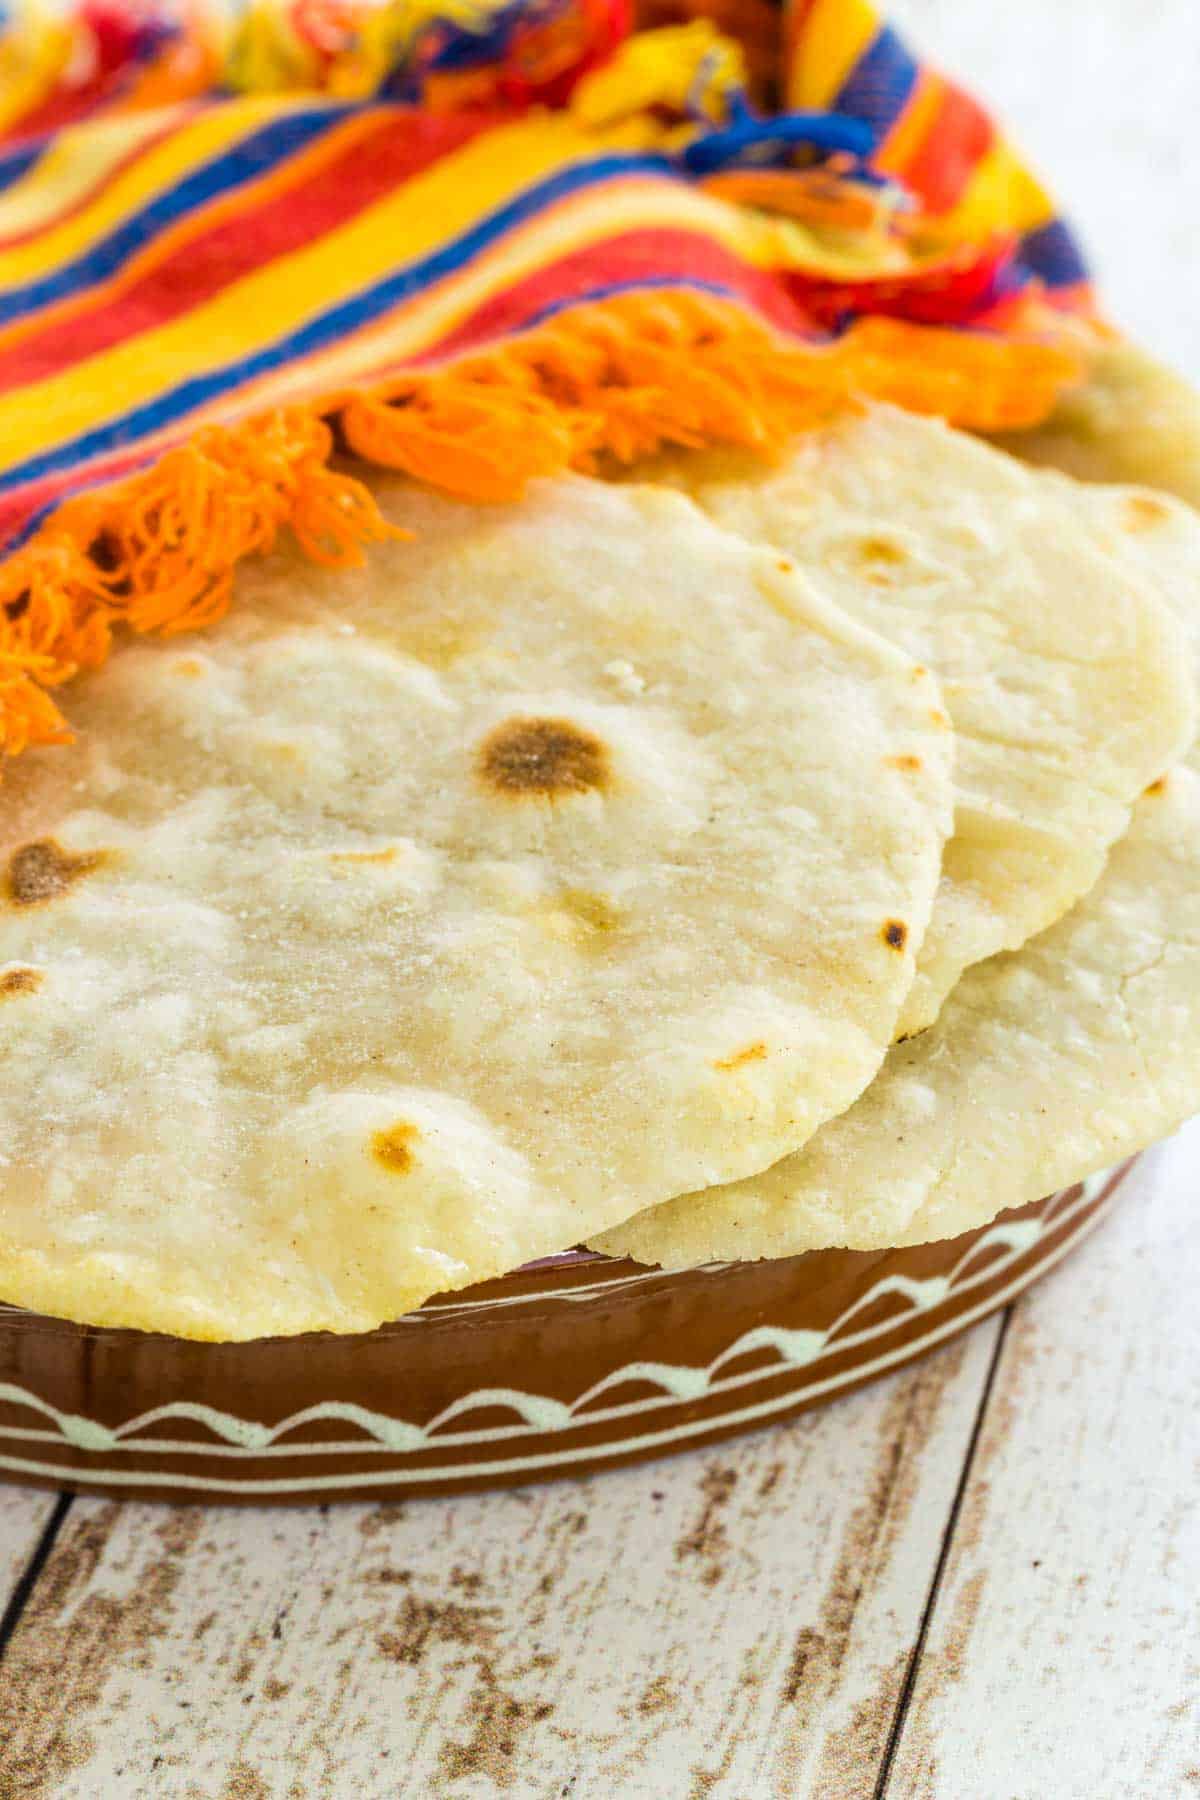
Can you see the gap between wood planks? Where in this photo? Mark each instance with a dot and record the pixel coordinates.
(912, 1669)
(27, 1580)
(26, 1583)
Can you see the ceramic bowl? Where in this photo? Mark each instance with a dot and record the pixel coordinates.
(570, 1365)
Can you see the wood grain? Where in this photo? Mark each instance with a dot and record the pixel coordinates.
(23, 1516)
(1063, 1655)
(736, 1622)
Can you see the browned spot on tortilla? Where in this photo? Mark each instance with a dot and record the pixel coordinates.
(20, 981)
(1142, 511)
(877, 557)
(191, 666)
(391, 1147)
(939, 719)
(895, 934)
(881, 550)
(284, 751)
(752, 1053)
(43, 870)
(905, 761)
(364, 856)
(579, 916)
(438, 641)
(785, 567)
(1159, 786)
(542, 758)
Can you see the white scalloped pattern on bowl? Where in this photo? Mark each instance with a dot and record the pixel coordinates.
(537, 1416)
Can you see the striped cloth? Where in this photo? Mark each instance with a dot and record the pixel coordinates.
(316, 215)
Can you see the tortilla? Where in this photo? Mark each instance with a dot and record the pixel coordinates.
(422, 919)
(1153, 535)
(1133, 420)
(1063, 677)
(1045, 1066)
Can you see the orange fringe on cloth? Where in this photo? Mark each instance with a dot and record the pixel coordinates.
(618, 378)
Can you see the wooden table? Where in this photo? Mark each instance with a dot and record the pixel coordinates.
(975, 1581)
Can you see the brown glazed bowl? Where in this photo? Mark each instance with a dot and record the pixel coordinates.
(570, 1365)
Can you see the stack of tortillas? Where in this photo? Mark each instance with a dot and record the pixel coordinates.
(738, 861)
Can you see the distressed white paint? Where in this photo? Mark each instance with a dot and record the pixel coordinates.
(722, 1614)
(23, 1513)
(1064, 1652)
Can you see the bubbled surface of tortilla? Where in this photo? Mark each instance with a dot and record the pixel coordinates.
(1064, 677)
(421, 919)
(1044, 1066)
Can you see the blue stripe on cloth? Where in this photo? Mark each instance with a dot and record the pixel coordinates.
(17, 162)
(635, 284)
(252, 157)
(601, 291)
(335, 323)
(878, 88)
(1052, 252)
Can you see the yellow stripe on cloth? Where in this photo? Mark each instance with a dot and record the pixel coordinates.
(261, 190)
(31, 66)
(1000, 193)
(411, 222)
(76, 160)
(637, 203)
(206, 136)
(833, 36)
(448, 199)
(909, 132)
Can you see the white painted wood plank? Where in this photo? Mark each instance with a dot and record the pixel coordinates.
(23, 1516)
(1101, 96)
(1063, 1657)
(708, 1626)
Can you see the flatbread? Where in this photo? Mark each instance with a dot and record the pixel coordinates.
(1062, 675)
(421, 919)
(1132, 420)
(1044, 1066)
(1153, 535)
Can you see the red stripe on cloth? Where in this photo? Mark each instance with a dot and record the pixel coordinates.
(196, 269)
(642, 258)
(178, 118)
(959, 134)
(65, 105)
(636, 258)
(952, 292)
